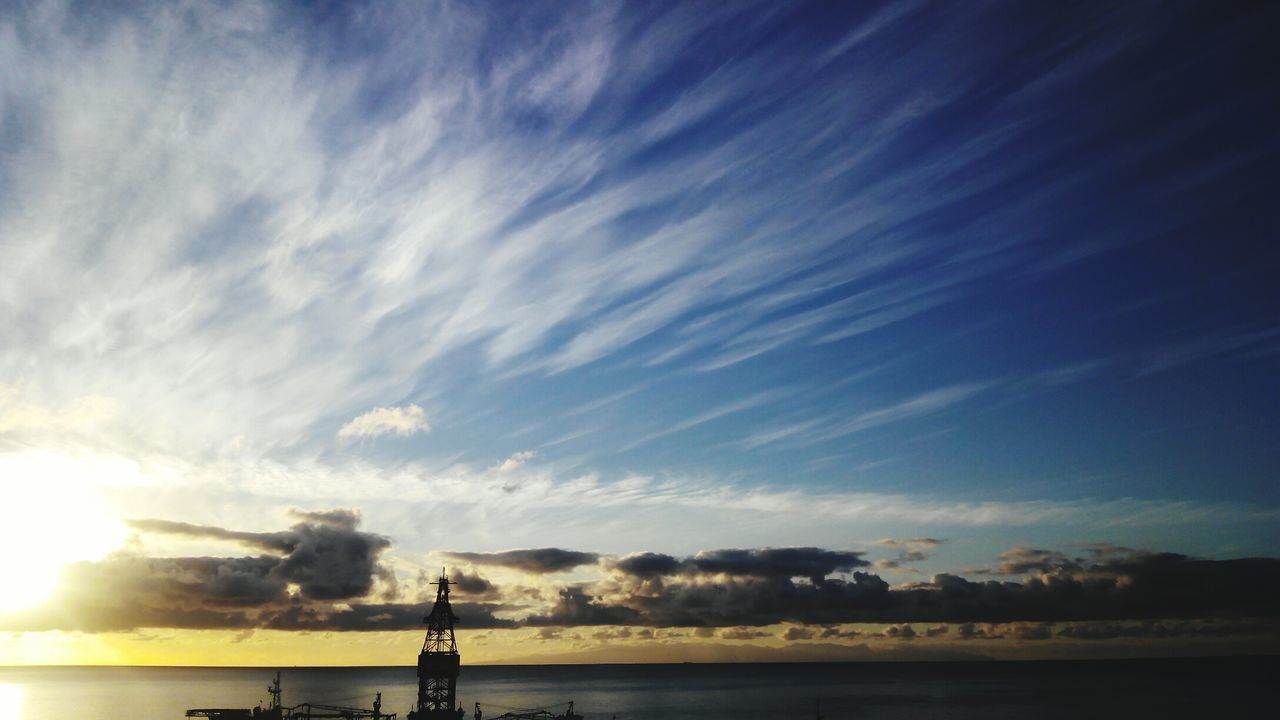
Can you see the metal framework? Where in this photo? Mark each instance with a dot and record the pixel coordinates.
(531, 713)
(438, 663)
(311, 711)
(305, 711)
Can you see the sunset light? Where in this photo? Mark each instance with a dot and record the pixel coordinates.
(56, 518)
(10, 702)
(812, 359)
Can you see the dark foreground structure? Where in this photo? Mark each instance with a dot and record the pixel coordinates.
(305, 711)
(439, 662)
(438, 668)
(439, 665)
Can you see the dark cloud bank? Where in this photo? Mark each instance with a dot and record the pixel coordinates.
(309, 579)
(538, 561)
(324, 573)
(758, 589)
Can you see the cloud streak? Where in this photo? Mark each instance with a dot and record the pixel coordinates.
(309, 264)
(537, 561)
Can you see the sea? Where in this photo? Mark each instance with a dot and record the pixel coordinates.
(1173, 688)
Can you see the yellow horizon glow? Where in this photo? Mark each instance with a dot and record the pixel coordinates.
(280, 648)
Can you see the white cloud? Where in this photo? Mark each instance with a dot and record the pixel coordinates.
(401, 421)
(516, 461)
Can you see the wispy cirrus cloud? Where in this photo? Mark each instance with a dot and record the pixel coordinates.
(238, 239)
(706, 417)
(923, 405)
(1208, 346)
(535, 505)
(330, 254)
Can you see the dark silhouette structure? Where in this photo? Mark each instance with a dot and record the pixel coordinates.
(536, 714)
(439, 663)
(275, 711)
(438, 666)
(274, 689)
(305, 711)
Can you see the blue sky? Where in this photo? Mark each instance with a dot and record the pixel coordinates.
(670, 277)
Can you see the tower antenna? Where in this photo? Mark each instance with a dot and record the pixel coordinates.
(438, 663)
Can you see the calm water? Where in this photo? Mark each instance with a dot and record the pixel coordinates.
(1216, 688)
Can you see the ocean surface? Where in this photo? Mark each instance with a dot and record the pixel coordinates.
(1208, 688)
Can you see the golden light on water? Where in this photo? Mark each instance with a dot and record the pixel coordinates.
(51, 514)
(10, 702)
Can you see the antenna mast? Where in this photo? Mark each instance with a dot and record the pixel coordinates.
(274, 689)
(438, 662)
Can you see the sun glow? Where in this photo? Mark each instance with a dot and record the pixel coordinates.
(51, 514)
(10, 702)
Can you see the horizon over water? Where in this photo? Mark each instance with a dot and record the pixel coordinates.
(1224, 687)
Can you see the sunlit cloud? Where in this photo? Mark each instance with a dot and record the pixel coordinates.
(400, 421)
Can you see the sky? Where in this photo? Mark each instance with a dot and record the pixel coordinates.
(670, 331)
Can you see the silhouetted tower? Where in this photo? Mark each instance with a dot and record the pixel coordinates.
(438, 662)
(274, 689)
